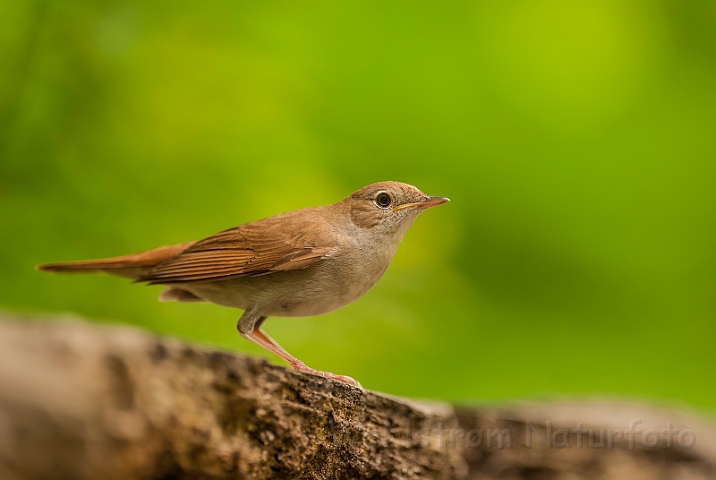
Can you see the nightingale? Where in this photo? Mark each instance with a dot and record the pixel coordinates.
(296, 264)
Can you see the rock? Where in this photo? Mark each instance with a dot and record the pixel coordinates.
(84, 401)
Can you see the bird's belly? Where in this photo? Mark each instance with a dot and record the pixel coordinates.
(320, 293)
(301, 293)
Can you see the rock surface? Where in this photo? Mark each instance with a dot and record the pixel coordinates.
(83, 401)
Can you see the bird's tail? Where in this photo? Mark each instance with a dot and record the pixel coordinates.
(130, 266)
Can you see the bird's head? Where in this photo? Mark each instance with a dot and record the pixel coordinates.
(389, 207)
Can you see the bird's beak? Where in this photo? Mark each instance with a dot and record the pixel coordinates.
(426, 202)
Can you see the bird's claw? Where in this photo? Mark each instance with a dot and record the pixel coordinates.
(341, 378)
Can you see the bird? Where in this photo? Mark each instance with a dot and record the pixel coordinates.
(301, 263)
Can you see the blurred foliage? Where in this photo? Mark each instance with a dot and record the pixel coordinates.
(577, 141)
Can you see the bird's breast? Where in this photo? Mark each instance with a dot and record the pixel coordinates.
(328, 286)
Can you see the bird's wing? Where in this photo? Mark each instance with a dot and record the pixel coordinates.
(284, 242)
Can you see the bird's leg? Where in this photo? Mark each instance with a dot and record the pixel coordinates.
(249, 327)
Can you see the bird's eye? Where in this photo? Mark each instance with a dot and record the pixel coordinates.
(383, 200)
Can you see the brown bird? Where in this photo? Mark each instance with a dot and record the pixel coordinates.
(300, 263)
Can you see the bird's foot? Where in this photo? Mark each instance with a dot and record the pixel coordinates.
(302, 367)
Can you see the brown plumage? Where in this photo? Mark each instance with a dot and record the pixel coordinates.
(284, 242)
(300, 263)
(131, 265)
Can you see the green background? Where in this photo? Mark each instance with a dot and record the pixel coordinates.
(577, 141)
